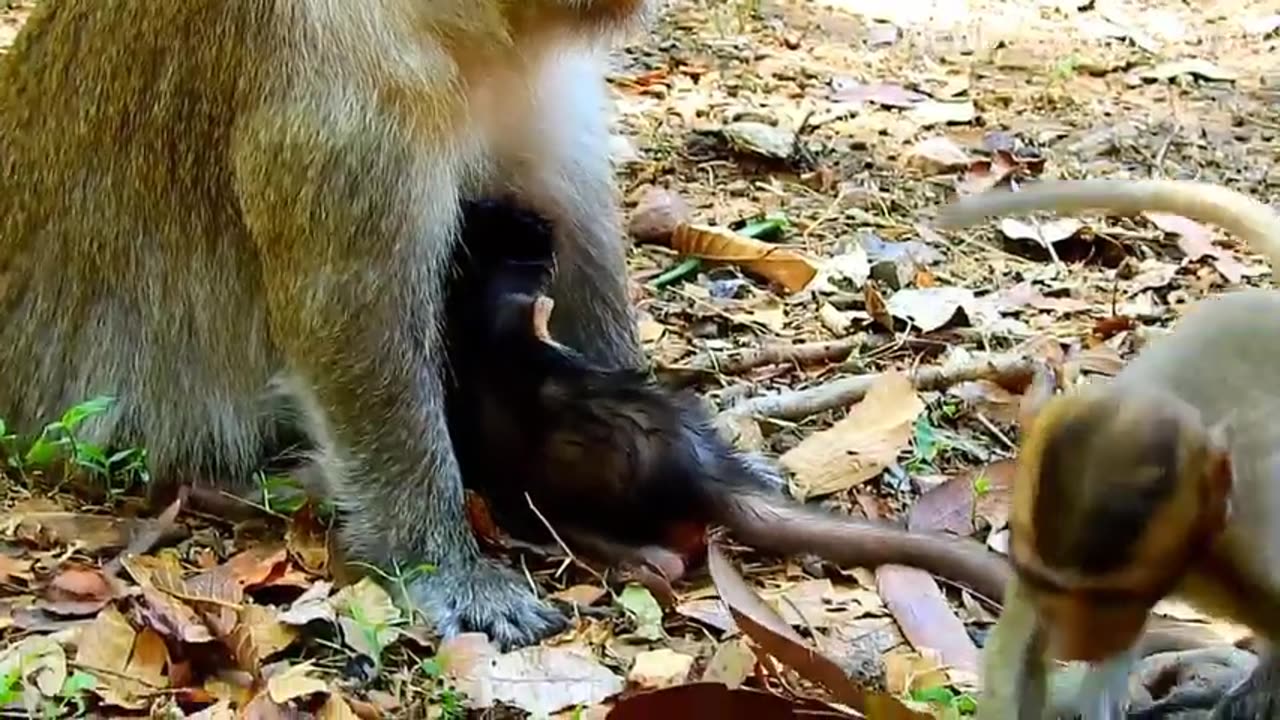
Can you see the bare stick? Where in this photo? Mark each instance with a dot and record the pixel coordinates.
(799, 404)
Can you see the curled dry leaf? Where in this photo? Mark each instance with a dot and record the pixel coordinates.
(789, 268)
(860, 446)
(711, 700)
(760, 139)
(1196, 241)
(776, 638)
(313, 604)
(1045, 233)
(77, 591)
(307, 541)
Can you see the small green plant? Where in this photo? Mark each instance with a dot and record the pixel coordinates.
(9, 685)
(1066, 67)
(925, 445)
(59, 442)
(961, 703)
(449, 699)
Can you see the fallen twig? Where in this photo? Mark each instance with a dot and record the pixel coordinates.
(740, 361)
(1007, 370)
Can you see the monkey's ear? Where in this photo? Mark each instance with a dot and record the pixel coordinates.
(1044, 381)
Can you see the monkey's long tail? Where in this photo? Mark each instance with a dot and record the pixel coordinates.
(1255, 222)
(778, 525)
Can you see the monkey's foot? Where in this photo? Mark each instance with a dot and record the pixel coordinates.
(486, 598)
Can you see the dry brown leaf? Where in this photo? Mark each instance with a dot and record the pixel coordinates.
(581, 595)
(364, 608)
(12, 568)
(932, 308)
(308, 541)
(337, 708)
(1196, 241)
(313, 604)
(91, 533)
(906, 670)
(947, 507)
(38, 661)
(220, 710)
(774, 637)
(712, 700)
(1046, 233)
(921, 610)
(294, 682)
(732, 663)
(131, 665)
(659, 668)
(935, 112)
(171, 617)
(1198, 67)
(860, 446)
(541, 680)
(258, 635)
(789, 268)
(937, 154)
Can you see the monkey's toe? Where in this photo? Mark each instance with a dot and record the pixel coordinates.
(490, 599)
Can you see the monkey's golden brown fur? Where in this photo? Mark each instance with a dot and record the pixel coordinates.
(1161, 482)
(237, 218)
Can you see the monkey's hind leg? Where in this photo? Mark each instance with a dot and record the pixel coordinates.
(354, 273)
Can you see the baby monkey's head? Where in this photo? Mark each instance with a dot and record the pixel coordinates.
(1119, 491)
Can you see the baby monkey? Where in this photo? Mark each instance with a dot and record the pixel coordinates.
(1161, 483)
(619, 466)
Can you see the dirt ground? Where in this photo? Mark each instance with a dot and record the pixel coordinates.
(833, 129)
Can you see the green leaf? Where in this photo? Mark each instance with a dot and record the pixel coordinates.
(43, 452)
(78, 682)
(766, 228)
(687, 267)
(4, 429)
(9, 685)
(940, 695)
(432, 667)
(637, 600)
(77, 414)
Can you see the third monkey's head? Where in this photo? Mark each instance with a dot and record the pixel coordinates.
(1119, 491)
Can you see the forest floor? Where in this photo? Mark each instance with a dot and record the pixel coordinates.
(832, 130)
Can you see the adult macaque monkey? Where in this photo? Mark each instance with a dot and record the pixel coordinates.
(228, 214)
(1165, 481)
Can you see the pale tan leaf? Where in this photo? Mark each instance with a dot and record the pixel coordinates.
(39, 661)
(295, 682)
(660, 668)
(336, 708)
(789, 268)
(860, 446)
(733, 662)
(258, 635)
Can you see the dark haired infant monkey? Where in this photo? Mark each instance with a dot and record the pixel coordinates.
(623, 469)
